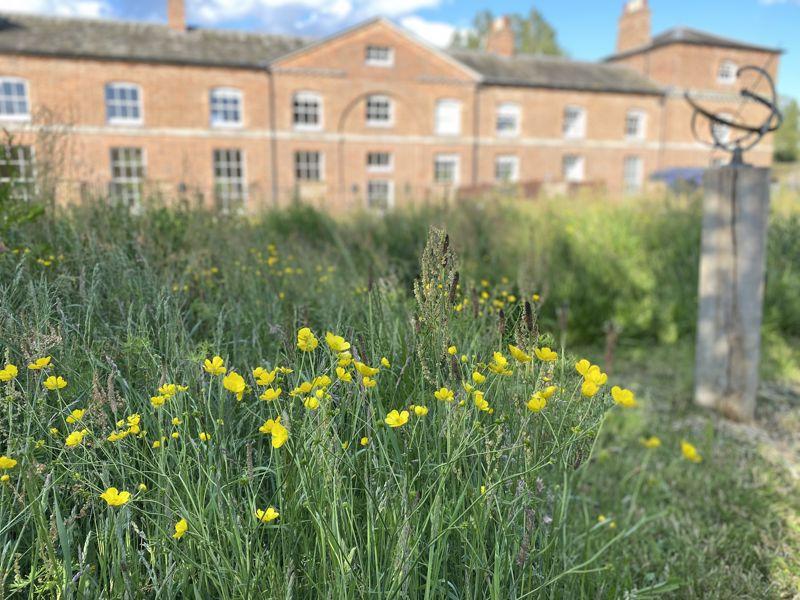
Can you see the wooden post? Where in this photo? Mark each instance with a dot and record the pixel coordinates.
(731, 289)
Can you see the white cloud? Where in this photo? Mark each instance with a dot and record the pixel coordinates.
(324, 15)
(435, 32)
(72, 8)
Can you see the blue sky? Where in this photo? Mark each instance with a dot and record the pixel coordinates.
(586, 28)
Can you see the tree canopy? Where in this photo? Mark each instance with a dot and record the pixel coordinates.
(532, 33)
(787, 138)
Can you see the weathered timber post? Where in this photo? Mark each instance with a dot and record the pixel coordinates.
(731, 289)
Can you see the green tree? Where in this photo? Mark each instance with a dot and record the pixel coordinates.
(787, 138)
(532, 33)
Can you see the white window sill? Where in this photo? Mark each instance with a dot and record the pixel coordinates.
(380, 124)
(16, 118)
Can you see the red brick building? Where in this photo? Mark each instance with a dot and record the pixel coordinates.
(371, 116)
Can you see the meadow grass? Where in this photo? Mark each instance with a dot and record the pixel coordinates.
(471, 498)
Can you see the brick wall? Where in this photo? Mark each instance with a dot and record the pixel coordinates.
(178, 140)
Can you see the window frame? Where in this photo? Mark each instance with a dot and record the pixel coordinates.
(380, 168)
(229, 92)
(27, 96)
(139, 104)
(377, 62)
(727, 79)
(389, 191)
(437, 128)
(637, 185)
(308, 95)
(582, 119)
(510, 108)
(26, 168)
(320, 166)
(641, 133)
(515, 172)
(224, 203)
(456, 159)
(136, 183)
(379, 123)
(581, 160)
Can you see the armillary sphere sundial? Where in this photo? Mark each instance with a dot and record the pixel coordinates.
(745, 135)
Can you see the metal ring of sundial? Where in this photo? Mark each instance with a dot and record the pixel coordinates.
(749, 135)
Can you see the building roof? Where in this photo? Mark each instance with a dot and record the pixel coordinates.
(139, 42)
(150, 42)
(687, 35)
(527, 70)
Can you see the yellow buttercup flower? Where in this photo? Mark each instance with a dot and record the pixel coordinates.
(545, 354)
(114, 497)
(344, 359)
(116, 436)
(181, 527)
(364, 441)
(589, 388)
(7, 463)
(76, 415)
(157, 401)
(215, 366)
(311, 403)
(452, 350)
(478, 377)
(385, 362)
(75, 438)
(265, 516)
(270, 394)
(204, 436)
(168, 390)
(596, 376)
(176, 421)
(55, 383)
(623, 397)
(303, 388)
(396, 419)
(264, 377)
(420, 411)
(582, 366)
(537, 402)
(444, 394)
(368, 382)
(499, 364)
(306, 340)
(274, 428)
(40, 363)
(690, 453)
(156, 444)
(336, 342)
(480, 401)
(650, 442)
(321, 381)
(234, 383)
(365, 370)
(8, 372)
(142, 487)
(518, 354)
(5, 478)
(343, 375)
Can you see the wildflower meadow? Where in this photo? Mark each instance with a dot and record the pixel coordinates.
(426, 405)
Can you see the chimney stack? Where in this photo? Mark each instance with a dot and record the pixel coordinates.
(176, 15)
(501, 37)
(634, 25)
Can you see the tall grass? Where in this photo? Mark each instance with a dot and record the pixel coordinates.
(460, 502)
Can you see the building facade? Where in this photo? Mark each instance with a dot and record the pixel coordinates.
(369, 117)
